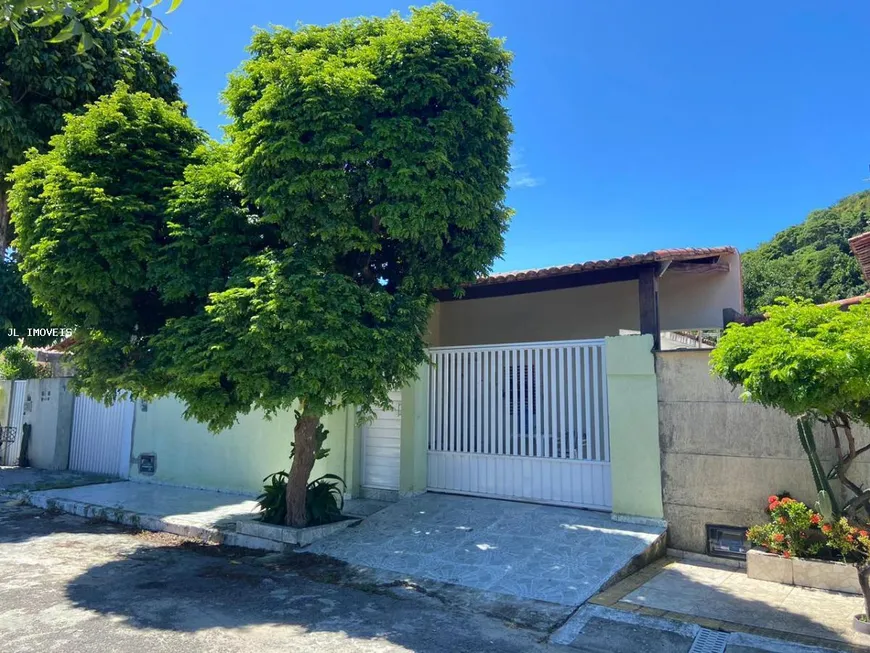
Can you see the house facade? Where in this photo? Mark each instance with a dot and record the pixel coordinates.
(532, 395)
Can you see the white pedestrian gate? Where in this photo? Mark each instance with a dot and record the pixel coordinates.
(102, 437)
(524, 421)
(380, 447)
(12, 451)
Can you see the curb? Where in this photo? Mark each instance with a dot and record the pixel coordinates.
(123, 517)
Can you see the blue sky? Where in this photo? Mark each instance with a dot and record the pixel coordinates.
(638, 125)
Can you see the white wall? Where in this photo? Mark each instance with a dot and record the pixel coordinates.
(48, 409)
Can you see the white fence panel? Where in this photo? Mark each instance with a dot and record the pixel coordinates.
(525, 421)
(101, 437)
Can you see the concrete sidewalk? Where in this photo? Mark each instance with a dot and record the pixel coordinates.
(707, 594)
(524, 550)
(204, 515)
(199, 514)
(28, 479)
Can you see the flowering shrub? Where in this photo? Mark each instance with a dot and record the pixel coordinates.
(851, 542)
(789, 530)
(795, 530)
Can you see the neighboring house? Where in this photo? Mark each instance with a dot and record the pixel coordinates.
(721, 456)
(534, 394)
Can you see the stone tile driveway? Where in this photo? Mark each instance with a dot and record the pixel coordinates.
(559, 555)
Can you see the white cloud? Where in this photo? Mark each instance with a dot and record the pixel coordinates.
(520, 176)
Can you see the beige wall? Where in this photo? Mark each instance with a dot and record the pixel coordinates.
(721, 457)
(686, 301)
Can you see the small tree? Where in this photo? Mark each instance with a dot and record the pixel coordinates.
(19, 362)
(813, 362)
(295, 267)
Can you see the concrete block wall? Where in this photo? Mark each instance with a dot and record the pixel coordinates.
(721, 457)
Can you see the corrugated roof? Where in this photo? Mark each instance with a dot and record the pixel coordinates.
(657, 256)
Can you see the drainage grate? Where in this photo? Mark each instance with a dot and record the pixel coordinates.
(709, 641)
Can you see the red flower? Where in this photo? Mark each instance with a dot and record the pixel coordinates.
(772, 498)
(826, 528)
(773, 505)
(863, 533)
(850, 538)
(815, 519)
(782, 520)
(778, 537)
(786, 554)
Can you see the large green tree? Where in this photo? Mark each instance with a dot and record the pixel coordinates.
(40, 82)
(295, 266)
(810, 260)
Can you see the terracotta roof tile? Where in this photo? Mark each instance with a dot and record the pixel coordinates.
(657, 256)
(849, 301)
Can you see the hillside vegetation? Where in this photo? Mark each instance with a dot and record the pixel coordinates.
(811, 259)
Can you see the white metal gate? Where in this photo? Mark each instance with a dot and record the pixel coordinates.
(525, 421)
(12, 450)
(102, 437)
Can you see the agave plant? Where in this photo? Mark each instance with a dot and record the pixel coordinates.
(324, 499)
(272, 502)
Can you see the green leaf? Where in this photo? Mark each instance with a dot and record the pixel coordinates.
(49, 18)
(146, 27)
(97, 8)
(158, 31)
(68, 32)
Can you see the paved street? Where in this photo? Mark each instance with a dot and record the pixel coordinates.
(71, 585)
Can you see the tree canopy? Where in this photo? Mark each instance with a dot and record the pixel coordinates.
(68, 18)
(40, 82)
(813, 362)
(810, 260)
(802, 359)
(294, 266)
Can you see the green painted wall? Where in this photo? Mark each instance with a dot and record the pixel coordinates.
(235, 460)
(635, 458)
(414, 447)
(5, 397)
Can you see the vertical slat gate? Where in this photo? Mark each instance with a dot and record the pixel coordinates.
(101, 436)
(497, 406)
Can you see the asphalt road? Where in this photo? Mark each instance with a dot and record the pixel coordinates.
(70, 585)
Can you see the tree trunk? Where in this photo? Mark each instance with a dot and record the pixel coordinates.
(864, 582)
(300, 470)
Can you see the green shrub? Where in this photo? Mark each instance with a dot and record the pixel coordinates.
(19, 362)
(324, 499)
(791, 531)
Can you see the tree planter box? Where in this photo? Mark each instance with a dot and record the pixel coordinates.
(288, 535)
(819, 574)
